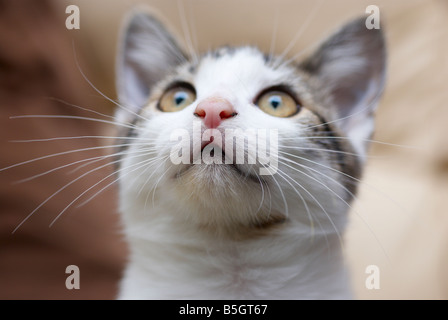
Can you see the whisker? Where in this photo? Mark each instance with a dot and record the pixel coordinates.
(338, 196)
(323, 150)
(77, 118)
(347, 138)
(58, 191)
(67, 152)
(302, 29)
(350, 177)
(84, 192)
(141, 164)
(91, 160)
(323, 209)
(262, 191)
(195, 44)
(99, 92)
(155, 187)
(367, 107)
(149, 178)
(274, 33)
(81, 137)
(309, 168)
(149, 150)
(310, 218)
(186, 30)
(302, 52)
(282, 195)
(82, 108)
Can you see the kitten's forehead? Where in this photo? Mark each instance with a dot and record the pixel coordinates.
(244, 70)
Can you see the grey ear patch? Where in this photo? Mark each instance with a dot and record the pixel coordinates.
(147, 52)
(350, 67)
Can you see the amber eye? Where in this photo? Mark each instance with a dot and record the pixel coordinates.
(277, 103)
(177, 98)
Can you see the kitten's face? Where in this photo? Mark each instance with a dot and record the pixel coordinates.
(180, 104)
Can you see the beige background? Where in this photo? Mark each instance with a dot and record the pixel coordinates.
(400, 221)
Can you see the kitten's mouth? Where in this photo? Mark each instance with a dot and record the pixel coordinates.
(233, 167)
(224, 164)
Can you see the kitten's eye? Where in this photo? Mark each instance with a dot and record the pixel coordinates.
(277, 103)
(177, 98)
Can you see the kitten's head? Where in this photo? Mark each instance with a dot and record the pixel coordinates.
(301, 128)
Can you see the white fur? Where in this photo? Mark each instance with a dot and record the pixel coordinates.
(169, 260)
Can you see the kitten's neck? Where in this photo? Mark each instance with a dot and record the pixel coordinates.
(173, 260)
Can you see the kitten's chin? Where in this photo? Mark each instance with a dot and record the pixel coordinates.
(223, 196)
(202, 173)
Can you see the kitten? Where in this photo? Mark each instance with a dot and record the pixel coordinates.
(229, 231)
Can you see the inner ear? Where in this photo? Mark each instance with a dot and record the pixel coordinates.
(146, 54)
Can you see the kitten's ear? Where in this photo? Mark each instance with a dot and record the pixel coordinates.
(146, 53)
(350, 66)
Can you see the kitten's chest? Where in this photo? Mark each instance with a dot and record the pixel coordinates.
(274, 267)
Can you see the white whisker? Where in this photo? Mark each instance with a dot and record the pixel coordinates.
(68, 152)
(310, 217)
(150, 176)
(75, 117)
(183, 19)
(365, 140)
(310, 17)
(283, 197)
(262, 190)
(322, 150)
(99, 92)
(274, 33)
(82, 108)
(82, 137)
(339, 197)
(84, 192)
(149, 150)
(57, 192)
(90, 161)
(353, 179)
(155, 186)
(324, 210)
(140, 165)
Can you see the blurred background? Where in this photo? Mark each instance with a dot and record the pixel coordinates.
(399, 222)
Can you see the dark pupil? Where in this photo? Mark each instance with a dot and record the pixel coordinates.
(180, 97)
(275, 101)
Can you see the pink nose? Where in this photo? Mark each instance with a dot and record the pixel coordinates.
(214, 110)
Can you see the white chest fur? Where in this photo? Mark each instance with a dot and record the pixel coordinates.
(170, 260)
